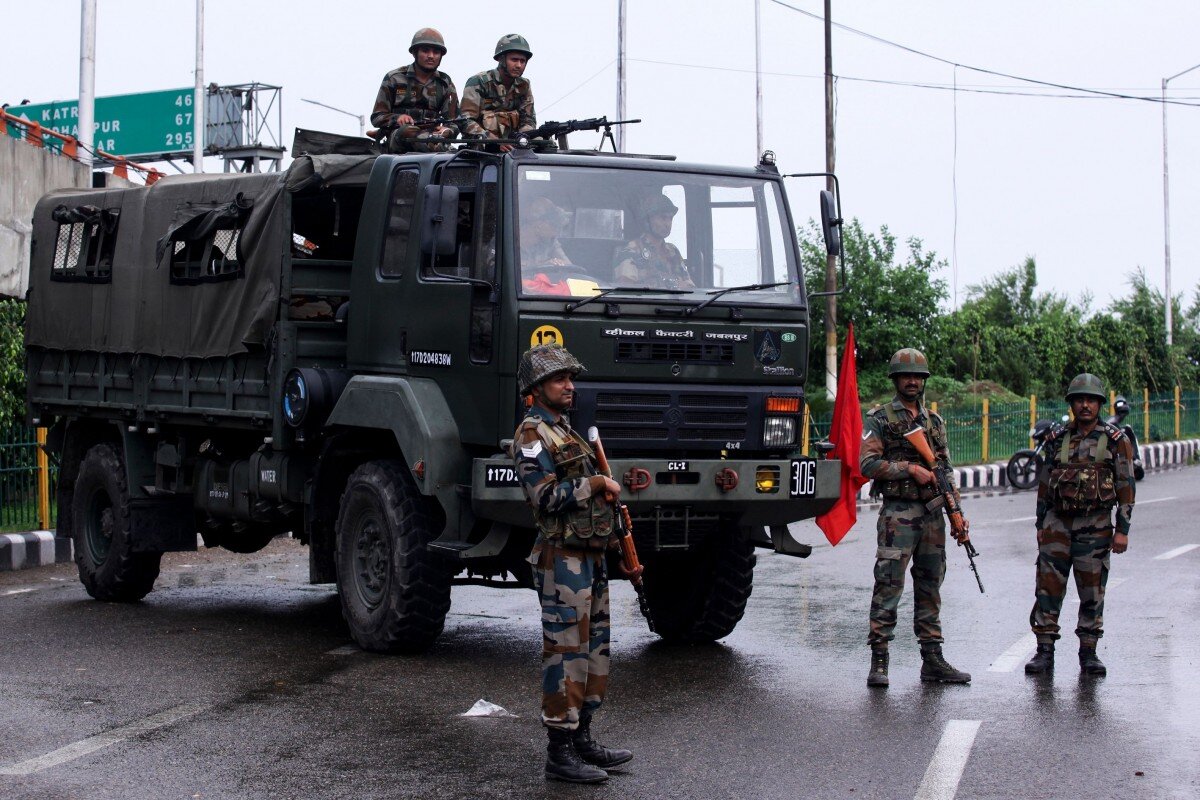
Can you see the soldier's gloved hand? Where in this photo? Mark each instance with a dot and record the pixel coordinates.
(1120, 542)
(919, 474)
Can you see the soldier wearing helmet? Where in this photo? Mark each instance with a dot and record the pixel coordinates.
(1086, 475)
(573, 509)
(411, 98)
(909, 533)
(649, 259)
(498, 103)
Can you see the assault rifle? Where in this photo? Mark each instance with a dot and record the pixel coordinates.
(946, 497)
(630, 565)
(559, 130)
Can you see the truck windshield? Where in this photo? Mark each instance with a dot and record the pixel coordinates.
(582, 229)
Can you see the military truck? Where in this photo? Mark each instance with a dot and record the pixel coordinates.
(331, 352)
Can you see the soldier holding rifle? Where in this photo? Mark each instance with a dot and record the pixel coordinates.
(417, 104)
(574, 509)
(498, 103)
(909, 530)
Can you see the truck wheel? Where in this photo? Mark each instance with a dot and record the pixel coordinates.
(108, 567)
(701, 596)
(395, 591)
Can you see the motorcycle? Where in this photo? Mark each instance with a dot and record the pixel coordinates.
(1024, 465)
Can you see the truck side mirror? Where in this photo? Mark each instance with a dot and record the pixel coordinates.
(439, 220)
(831, 223)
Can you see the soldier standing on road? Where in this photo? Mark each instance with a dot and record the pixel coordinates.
(414, 95)
(498, 103)
(908, 531)
(1087, 471)
(650, 260)
(574, 513)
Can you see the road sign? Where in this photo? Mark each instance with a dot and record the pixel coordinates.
(132, 125)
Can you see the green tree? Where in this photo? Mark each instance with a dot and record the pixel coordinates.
(12, 362)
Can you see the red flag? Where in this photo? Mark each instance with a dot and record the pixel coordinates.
(845, 434)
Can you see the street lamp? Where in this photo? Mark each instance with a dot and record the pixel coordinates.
(362, 126)
(1167, 202)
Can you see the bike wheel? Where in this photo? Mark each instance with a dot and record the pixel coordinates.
(1022, 469)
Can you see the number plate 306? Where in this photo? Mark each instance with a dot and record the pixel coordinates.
(804, 478)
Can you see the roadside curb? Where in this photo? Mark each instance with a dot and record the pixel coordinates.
(993, 476)
(32, 549)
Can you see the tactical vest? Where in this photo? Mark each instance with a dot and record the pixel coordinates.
(415, 101)
(588, 527)
(897, 448)
(1083, 487)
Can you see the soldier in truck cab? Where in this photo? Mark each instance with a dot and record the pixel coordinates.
(411, 98)
(650, 260)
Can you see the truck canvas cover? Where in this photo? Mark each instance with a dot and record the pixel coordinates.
(192, 267)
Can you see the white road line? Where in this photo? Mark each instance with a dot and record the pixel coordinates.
(1178, 551)
(1136, 506)
(9, 592)
(1021, 651)
(101, 740)
(344, 650)
(949, 760)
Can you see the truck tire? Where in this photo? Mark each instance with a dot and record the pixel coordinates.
(395, 591)
(108, 567)
(701, 596)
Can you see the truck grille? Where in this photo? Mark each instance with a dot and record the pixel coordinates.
(633, 416)
(633, 350)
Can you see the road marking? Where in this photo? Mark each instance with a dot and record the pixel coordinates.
(1138, 504)
(949, 760)
(101, 740)
(1178, 551)
(1021, 651)
(9, 592)
(344, 650)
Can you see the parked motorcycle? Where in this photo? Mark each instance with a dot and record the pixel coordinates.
(1024, 464)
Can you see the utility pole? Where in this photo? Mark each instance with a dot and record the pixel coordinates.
(831, 359)
(620, 74)
(85, 135)
(1167, 208)
(758, 79)
(198, 94)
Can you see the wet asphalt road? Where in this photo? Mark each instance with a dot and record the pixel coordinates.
(238, 674)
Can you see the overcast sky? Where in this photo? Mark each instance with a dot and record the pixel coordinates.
(1076, 183)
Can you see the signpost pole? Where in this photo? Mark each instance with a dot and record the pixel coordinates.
(87, 81)
(198, 95)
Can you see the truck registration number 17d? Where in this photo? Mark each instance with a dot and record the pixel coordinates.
(804, 478)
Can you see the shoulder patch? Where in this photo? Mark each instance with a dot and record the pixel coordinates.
(1114, 433)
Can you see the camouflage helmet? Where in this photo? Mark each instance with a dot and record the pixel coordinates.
(908, 361)
(657, 204)
(512, 43)
(1085, 384)
(541, 362)
(427, 37)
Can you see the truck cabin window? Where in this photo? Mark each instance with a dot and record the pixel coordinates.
(475, 255)
(582, 229)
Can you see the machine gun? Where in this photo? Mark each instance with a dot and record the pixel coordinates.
(559, 130)
(946, 497)
(630, 564)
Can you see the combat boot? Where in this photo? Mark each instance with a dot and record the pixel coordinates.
(564, 764)
(592, 751)
(935, 668)
(1042, 661)
(1089, 662)
(879, 667)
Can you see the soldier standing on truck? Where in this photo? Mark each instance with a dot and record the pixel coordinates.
(1086, 473)
(650, 260)
(908, 531)
(498, 103)
(573, 508)
(411, 98)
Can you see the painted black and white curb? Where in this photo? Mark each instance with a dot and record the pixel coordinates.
(32, 549)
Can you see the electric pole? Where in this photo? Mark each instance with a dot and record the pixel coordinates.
(831, 358)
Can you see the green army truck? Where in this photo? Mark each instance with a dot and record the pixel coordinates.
(332, 352)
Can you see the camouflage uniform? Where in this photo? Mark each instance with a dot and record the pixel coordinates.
(650, 261)
(401, 93)
(557, 470)
(907, 530)
(1075, 506)
(488, 106)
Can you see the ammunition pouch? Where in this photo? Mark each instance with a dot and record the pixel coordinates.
(903, 489)
(1085, 488)
(501, 123)
(591, 526)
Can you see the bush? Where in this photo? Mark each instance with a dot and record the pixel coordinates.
(12, 362)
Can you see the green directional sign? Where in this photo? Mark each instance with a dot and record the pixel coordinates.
(131, 125)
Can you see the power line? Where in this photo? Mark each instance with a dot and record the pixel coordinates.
(597, 74)
(982, 70)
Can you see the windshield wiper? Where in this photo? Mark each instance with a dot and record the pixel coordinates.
(634, 289)
(719, 293)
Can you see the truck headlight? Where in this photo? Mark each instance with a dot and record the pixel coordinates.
(295, 398)
(779, 431)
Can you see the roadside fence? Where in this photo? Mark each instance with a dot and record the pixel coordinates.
(27, 480)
